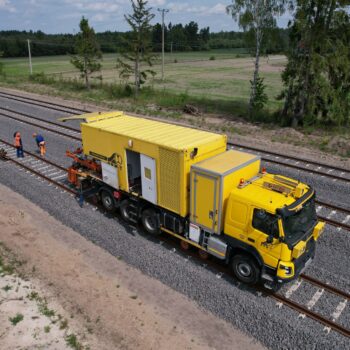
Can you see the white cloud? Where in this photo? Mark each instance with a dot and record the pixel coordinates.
(101, 6)
(6, 5)
(185, 7)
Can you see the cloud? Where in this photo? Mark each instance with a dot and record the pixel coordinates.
(101, 6)
(6, 5)
(185, 7)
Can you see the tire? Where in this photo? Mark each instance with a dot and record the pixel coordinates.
(125, 211)
(108, 201)
(150, 222)
(245, 269)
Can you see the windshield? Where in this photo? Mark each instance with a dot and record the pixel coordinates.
(296, 225)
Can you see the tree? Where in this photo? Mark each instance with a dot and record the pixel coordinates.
(88, 52)
(259, 16)
(317, 75)
(138, 48)
(1, 64)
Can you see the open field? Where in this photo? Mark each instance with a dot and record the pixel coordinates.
(225, 78)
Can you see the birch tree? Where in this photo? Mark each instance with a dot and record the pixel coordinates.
(259, 16)
(138, 47)
(88, 52)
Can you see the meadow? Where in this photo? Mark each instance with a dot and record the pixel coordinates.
(218, 76)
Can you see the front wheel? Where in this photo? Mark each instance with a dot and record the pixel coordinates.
(108, 201)
(245, 269)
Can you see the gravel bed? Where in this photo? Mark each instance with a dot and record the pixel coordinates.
(246, 308)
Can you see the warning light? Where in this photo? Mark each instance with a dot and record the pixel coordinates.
(263, 170)
(241, 182)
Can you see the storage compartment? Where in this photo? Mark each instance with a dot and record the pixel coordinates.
(153, 159)
(211, 183)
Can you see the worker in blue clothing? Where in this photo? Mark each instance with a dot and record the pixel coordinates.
(40, 141)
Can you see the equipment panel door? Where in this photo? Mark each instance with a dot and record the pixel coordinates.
(205, 201)
(110, 175)
(148, 178)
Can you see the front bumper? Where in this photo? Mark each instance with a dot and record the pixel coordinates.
(279, 276)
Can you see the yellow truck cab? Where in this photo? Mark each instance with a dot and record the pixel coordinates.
(186, 183)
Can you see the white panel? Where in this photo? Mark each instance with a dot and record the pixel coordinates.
(194, 233)
(148, 179)
(110, 175)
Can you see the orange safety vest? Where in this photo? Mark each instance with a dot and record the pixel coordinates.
(18, 140)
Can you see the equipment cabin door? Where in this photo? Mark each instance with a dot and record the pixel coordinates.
(205, 200)
(110, 175)
(148, 179)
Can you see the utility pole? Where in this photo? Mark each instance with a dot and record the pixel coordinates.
(163, 11)
(30, 58)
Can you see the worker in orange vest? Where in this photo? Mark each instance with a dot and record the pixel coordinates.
(18, 144)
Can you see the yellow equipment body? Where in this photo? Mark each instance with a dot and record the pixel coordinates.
(174, 149)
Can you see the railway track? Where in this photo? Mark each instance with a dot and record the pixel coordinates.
(322, 169)
(326, 211)
(56, 175)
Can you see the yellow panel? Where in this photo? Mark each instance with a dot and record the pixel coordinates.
(205, 200)
(162, 134)
(169, 181)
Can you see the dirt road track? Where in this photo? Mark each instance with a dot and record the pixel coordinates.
(122, 307)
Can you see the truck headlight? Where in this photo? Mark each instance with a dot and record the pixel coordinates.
(288, 270)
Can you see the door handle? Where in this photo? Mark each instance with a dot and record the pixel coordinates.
(211, 214)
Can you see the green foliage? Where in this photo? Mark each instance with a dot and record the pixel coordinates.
(317, 76)
(73, 342)
(138, 48)
(260, 98)
(1, 64)
(16, 319)
(88, 52)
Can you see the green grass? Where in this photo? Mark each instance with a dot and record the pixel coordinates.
(73, 342)
(223, 81)
(16, 319)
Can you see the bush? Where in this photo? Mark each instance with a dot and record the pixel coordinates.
(212, 58)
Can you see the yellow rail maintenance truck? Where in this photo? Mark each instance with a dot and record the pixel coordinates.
(186, 183)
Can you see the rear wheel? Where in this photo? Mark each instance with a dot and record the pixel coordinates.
(107, 201)
(150, 222)
(245, 269)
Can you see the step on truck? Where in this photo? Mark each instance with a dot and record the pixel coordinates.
(184, 182)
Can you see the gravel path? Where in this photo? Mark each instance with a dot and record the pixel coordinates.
(277, 328)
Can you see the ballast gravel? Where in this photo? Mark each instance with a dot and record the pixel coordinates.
(247, 309)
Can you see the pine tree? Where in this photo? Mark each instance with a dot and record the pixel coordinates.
(317, 76)
(88, 52)
(138, 49)
(259, 16)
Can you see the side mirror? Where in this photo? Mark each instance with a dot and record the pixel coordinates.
(269, 239)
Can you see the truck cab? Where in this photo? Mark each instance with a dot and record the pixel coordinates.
(264, 226)
(271, 223)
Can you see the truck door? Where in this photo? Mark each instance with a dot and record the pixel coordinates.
(148, 179)
(205, 201)
(261, 225)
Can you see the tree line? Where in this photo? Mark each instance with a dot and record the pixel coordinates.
(178, 37)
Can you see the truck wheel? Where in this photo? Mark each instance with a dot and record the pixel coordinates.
(150, 222)
(245, 269)
(107, 201)
(125, 210)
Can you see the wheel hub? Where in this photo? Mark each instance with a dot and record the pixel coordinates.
(244, 269)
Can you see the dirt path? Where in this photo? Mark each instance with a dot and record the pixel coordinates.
(110, 305)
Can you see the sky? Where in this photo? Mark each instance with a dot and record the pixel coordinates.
(63, 16)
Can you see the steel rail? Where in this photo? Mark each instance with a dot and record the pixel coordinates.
(325, 286)
(42, 127)
(40, 103)
(311, 314)
(56, 183)
(308, 161)
(340, 329)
